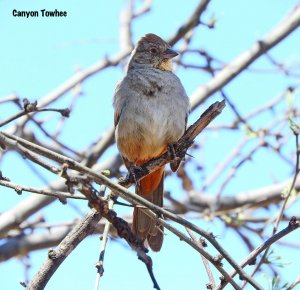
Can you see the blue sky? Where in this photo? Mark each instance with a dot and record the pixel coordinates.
(38, 54)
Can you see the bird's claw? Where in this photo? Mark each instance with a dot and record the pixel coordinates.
(171, 152)
(173, 157)
(135, 173)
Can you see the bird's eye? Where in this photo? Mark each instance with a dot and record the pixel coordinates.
(153, 50)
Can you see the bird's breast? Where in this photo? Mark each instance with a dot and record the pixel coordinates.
(153, 117)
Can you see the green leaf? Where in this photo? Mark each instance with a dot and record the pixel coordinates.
(294, 126)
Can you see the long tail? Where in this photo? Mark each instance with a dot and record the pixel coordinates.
(151, 188)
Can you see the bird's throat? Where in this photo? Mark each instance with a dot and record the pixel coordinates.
(166, 65)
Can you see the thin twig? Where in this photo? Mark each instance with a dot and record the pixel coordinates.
(294, 224)
(184, 142)
(126, 18)
(233, 69)
(59, 254)
(291, 188)
(146, 6)
(59, 194)
(10, 98)
(192, 22)
(294, 284)
(32, 108)
(98, 204)
(104, 238)
(205, 262)
(216, 261)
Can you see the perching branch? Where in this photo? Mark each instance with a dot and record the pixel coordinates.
(182, 144)
(196, 199)
(102, 207)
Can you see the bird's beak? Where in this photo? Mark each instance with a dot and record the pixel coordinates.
(170, 53)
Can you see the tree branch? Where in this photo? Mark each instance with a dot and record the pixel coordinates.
(293, 225)
(182, 144)
(230, 71)
(193, 21)
(58, 255)
(33, 108)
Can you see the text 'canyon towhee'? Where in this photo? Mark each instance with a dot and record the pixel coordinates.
(151, 108)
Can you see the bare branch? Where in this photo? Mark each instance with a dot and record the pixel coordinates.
(58, 194)
(58, 255)
(292, 186)
(230, 71)
(101, 206)
(10, 98)
(104, 238)
(250, 260)
(260, 197)
(294, 284)
(33, 108)
(126, 18)
(296, 130)
(193, 21)
(27, 207)
(201, 244)
(183, 143)
(22, 245)
(215, 261)
(18, 244)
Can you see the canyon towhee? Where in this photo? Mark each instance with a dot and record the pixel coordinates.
(151, 108)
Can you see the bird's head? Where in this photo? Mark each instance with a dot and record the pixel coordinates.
(152, 51)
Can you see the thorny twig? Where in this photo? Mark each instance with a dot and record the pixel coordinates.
(296, 130)
(103, 238)
(201, 243)
(251, 258)
(32, 108)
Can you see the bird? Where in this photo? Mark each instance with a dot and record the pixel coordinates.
(151, 108)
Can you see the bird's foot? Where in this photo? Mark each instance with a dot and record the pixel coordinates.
(171, 151)
(173, 157)
(135, 173)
